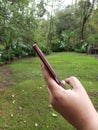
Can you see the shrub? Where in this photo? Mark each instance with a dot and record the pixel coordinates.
(43, 48)
(23, 50)
(81, 49)
(16, 51)
(58, 46)
(7, 55)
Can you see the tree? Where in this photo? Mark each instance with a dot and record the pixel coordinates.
(65, 20)
(93, 37)
(17, 22)
(41, 8)
(86, 8)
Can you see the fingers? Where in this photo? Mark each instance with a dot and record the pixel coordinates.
(52, 85)
(73, 82)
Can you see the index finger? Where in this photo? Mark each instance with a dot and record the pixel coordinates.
(74, 82)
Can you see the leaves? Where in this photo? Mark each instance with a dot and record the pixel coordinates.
(54, 115)
(16, 21)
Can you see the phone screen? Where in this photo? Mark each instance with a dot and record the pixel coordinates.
(48, 66)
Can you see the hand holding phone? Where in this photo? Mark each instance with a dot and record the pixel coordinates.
(48, 66)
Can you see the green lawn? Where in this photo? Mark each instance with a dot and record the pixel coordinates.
(24, 101)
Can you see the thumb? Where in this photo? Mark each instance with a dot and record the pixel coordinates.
(52, 85)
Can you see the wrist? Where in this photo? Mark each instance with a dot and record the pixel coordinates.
(91, 122)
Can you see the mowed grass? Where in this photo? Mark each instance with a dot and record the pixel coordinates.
(24, 104)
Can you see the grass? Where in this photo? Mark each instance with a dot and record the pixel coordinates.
(25, 104)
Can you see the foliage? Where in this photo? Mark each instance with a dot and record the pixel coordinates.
(64, 21)
(67, 38)
(93, 37)
(16, 51)
(58, 46)
(81, 49)
(16, 22)
(44, 49)
(41, 9)
(40, 34)
(65, 43)
(47, 23)
(75, 18)
(85, 9)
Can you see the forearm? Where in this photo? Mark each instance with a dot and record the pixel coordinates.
(91, 123)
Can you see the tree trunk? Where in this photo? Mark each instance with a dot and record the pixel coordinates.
(86, 14)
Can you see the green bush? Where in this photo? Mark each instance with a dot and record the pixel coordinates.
(16, 51)
(69, 47)
(7, 55)
(43, 48)
(82, 49)
(58, 46)
(23, 50)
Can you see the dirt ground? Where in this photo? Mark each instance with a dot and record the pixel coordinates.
(4, 78)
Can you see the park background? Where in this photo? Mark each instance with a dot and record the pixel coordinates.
(68, 36)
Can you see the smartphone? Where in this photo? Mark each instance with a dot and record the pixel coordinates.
(48, 66)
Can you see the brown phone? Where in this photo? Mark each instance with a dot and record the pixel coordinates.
(48, 66)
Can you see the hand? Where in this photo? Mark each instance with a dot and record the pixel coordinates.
(73, 104)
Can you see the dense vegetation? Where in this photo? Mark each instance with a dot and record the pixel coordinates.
(52, 25)
(24, 102)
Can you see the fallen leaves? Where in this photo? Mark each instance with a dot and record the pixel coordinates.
(11, 115)
(54, 115)
(13, 101)
(36, 124)
(13, 95)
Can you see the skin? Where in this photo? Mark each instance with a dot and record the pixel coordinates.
(73, 104)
